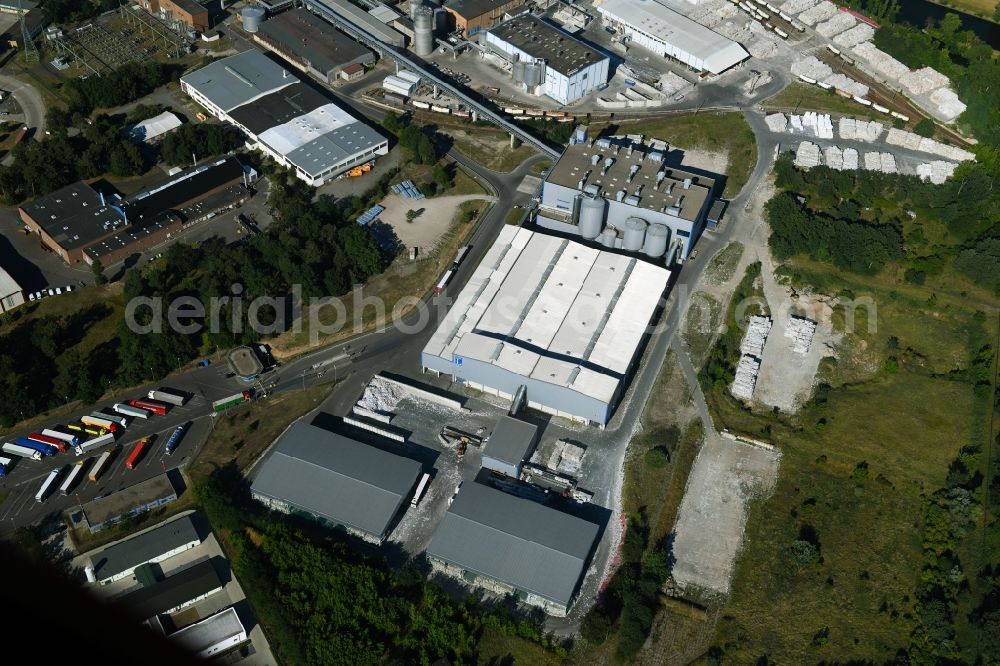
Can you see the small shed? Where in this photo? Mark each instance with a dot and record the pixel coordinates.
(511, 444)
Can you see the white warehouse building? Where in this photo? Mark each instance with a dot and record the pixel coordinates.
(564, 320)
(547, 60)
(624, 196)
(653, 25)
(300, 127)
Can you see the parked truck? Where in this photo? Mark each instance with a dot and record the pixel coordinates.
(130, 411)
(70, 479)
(95, 471)
(47, 484)
(4, 466)
(72, 440)
(98, 422)
(165, 395)
(133, 457)
(417, 496)
(21, 451)
(51, 441)
(44, 449)
(95, 443)
(175, 439)
(159, 408)
(116, 418)
(230, 401)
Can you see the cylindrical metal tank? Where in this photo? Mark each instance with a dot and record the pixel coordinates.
(591, 217)
(517, 70)
(607, 237)
(657, 236)
(414, 6)
(635, 234)
(252, 18)
(534, 73)
(423, 31)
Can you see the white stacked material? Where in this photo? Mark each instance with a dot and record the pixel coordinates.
(850, 159)
(821, 12)
(794, 7)
(812, 67)
(380, 396)
(840, 22)
(862, 32)
(873, 161)
(833, 157)
(898, 137)
(762, 47)
(801, 331)
(846, 83)
(880, 61)
(817, 124)
(937, 171)
(888, 163)
(753, 340)
(807, 155)
(923, 80)
(795, 122)
(948, 105)
(746, 378)
(776, 122)
(847, 128)
(670, 83)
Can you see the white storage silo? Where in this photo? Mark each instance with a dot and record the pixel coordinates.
(608, 237)
(252, 18)
(423, 31)
(517, 70)
(591, 217)
(534, 74)
(635, 234)
(657, 236)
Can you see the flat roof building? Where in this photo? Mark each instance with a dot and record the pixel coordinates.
(472, 16)
(511, 442)
(173, 593)
(350, 13)
(312, 44)
(653, 25)
(623, 195)
(294, 123)
(567, 68)
(130, 501)
(214, 635)
(11, 294)
(81, 223)
(336, 480)
(511, 544)
(562, 319)
(158, 544)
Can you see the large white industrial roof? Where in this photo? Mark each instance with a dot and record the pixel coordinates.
(305, 128)
(655, 19)
(554, 310)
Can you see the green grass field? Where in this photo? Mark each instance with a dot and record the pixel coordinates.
(905, 424)
(716, 132)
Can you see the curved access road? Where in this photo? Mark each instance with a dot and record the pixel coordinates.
(29, 99)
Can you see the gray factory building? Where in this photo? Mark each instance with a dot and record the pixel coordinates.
(336, 480)
(547, 60)
(513, 545)
(313, 44)
(623, 196)
(562, 319)
(511, 442)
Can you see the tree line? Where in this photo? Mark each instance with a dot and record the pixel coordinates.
(324, 602)
(120, 86)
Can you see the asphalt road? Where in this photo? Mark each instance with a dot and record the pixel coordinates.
(29, 99)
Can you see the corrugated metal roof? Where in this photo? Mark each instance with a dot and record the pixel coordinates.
(337, 478)
(176, 590)
(540, 39)
(657, 20)
(516, 541)
(304, 35)
(238, 79)
(511, 440)
(145, 547)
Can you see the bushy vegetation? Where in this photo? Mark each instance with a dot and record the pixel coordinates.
(419, 142)
(720, 368)
(70, 11)
(960, 54)
(190, 140)
(121, 86)
(552, 131)
(882, 11)
(312, 246)
(323, 602)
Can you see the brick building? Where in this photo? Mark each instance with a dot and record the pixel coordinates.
(189, 12)
(473, 16)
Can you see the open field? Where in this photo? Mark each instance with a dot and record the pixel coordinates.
(799, 98)
(726, 133)
(981, 8)
(858, 463)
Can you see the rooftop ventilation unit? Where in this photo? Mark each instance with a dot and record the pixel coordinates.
(592, 189)
(632, 201)
(655, 156)
(687, 183)
(594, 159)
(604, 143)
(620, 195)
(632, 170)
(608, 161)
